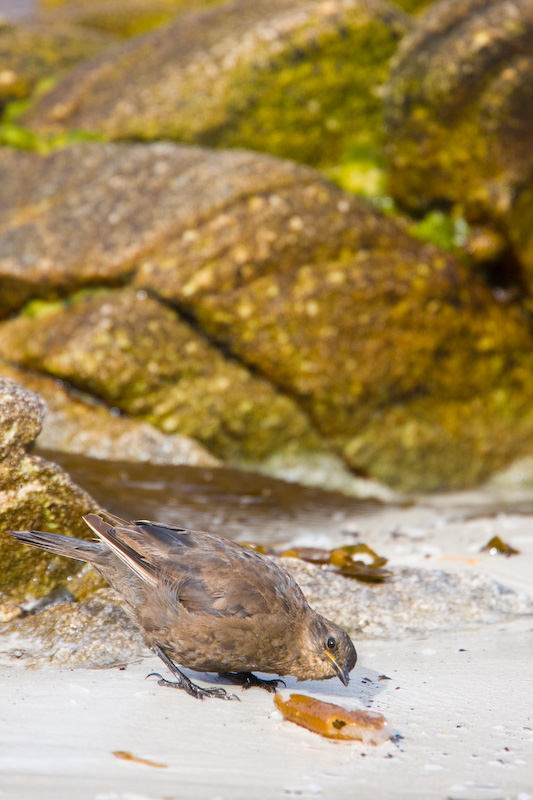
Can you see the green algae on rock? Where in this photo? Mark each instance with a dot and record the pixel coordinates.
(302, 82)
(136, 354)
(35, 494)
(457, 113)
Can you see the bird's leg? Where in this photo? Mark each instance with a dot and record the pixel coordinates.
(247, 680)
(183, 682)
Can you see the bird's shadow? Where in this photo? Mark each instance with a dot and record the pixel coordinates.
(365, 684)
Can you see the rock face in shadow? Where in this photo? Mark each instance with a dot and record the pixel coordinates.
(35, 494)
(299, 81)
(458, 115)
(248, 303)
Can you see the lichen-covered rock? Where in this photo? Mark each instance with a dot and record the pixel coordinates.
(349, 334)
(98, 214)
(458, 115)
(72, 425)
(412, 6)
(300, 81)
(33, 494)
(405, 364)
(134, 353)
(34, 51)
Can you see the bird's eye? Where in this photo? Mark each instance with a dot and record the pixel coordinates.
(331, 643)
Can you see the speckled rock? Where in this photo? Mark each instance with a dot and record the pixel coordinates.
(134, 353)
(34, 494)
(98, 214)
(33, 51)
(405, 364)
(412, 601)
(300, 81)
(73, 425)
(93, 633)
(21, 416)
(458, 115)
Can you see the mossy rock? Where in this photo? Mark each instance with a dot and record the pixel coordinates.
(458, 115)
(266, 311)
(407, 366)
(36, 494)
(137, 355)
(301, 83)
(170, 217)
(34, 52)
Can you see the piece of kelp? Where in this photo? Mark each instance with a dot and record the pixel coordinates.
(333, 721)
(344, 560)
(498, 546)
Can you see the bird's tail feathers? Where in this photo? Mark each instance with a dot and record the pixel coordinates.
(62, 545)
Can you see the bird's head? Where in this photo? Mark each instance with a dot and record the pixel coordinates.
(328, 651)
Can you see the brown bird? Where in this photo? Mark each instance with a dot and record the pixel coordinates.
(209, 604)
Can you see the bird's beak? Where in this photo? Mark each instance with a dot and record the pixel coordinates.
(342, 672)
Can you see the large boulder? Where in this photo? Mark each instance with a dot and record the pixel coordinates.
(35, 494)
(407, 366)
(137, 355)
(458, 116)
(299, 81)
(248, 303)
(95, 215)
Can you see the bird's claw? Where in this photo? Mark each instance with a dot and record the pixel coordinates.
(193, 689)
(248, 679)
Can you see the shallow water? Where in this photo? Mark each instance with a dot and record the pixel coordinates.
(230, 502)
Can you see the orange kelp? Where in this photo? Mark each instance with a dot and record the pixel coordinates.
(333, 721)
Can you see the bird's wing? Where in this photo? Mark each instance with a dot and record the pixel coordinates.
(206, 574)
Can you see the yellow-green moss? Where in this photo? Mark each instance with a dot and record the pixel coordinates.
(318, 103)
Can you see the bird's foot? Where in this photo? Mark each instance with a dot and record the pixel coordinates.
(193, 689)
(248, 679)
(183, 682)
